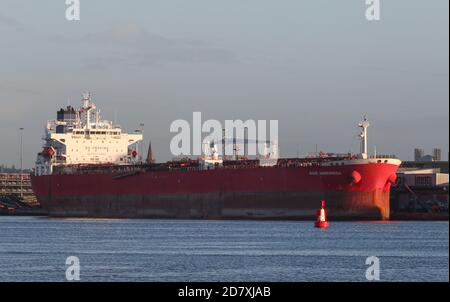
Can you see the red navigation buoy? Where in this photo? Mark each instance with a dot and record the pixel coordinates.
(321, 217)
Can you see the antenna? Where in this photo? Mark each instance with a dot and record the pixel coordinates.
(88, 106)
(223, 142)
(246, 142)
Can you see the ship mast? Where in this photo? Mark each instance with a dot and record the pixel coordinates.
(88, 106)
(363, 135)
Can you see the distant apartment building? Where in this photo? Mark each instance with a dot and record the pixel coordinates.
(418, 154)
(437, 154)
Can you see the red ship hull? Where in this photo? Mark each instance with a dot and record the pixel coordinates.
(232, 193)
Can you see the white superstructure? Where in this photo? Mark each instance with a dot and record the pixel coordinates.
(211, 158)
(83, 137)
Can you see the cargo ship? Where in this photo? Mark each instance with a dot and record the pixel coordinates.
(88, 167)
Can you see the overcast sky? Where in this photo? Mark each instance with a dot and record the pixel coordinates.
(317, 66)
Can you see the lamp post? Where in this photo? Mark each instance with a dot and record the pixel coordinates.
(21, 161)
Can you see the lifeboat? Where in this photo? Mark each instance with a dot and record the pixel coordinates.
(48, 152)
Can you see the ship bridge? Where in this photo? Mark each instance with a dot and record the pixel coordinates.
(83, 137)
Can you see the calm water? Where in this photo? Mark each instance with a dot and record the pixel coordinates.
(35, 249)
